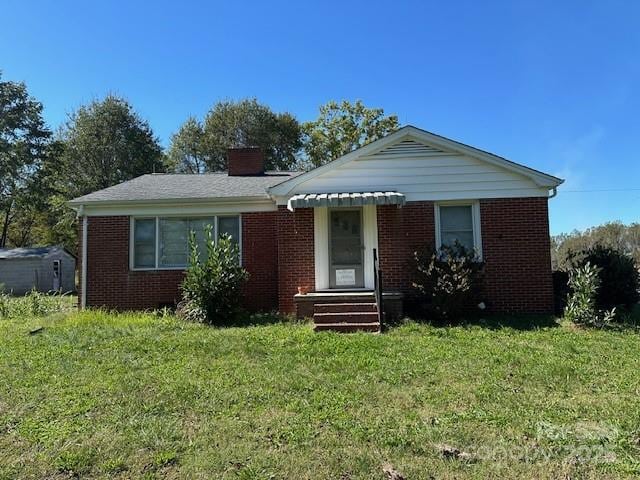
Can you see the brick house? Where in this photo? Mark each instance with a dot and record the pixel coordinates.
(320, 230)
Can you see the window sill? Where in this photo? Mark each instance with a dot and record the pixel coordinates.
(159, 269)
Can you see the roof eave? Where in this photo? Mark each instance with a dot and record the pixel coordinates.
(76, 204)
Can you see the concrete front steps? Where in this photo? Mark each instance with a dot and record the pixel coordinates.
(346, 317)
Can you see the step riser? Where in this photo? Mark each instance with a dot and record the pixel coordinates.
(345, 318)
(347, 328)
(344, 307)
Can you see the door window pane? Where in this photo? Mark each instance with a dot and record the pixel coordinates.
(456, 225)
(144, 246)
(346, 241)
(174, 242)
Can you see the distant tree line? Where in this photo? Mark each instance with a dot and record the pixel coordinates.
(616, 235)
(107, 142)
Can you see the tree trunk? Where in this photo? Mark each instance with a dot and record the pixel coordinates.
(5, 226)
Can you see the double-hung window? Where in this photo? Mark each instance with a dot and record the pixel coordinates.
(163, 242)
(459, 223)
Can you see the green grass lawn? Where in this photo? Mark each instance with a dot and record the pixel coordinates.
(97, 395)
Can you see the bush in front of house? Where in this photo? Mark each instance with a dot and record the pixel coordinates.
(448, 281)
(618, 277)
(212, 287)
(582, 308)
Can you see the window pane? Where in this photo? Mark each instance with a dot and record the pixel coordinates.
(231, 226)
(198, 226)
(144, 245)
(463, 238)
(456, 218)
(174, 242)
(456, 225)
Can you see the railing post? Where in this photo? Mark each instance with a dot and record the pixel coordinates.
(377, 283)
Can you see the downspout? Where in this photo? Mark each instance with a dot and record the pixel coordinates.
(83, 281)
(554, 192)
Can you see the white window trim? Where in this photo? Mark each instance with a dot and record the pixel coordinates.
(157, 218)
(475, 218)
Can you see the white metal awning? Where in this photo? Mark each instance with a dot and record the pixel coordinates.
(310, 200)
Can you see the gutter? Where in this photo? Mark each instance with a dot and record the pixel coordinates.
(169, 201)
(83, 287)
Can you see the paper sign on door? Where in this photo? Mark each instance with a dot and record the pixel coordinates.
(345, 277)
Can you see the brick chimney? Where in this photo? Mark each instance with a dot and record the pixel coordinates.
(245, 161)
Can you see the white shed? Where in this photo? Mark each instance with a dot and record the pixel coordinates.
(43, 268)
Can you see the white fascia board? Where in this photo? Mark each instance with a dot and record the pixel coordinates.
(167, 207)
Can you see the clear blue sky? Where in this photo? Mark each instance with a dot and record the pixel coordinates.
(551, 84)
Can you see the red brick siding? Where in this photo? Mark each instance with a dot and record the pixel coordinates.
(295, 254)
(402, 231)
(516, 251)
(278, 252)
(111, 284)
(260, 258)
(515, 245)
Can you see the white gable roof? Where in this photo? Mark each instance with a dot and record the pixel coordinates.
(423, 166)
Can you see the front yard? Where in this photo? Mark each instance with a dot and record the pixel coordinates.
(130, 396)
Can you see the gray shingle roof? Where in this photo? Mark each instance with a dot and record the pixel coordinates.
(9, 253)
(163, 186)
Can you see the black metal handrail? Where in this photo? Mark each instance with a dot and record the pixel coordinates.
(377, 284)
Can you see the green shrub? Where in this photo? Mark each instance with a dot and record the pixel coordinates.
(560, 290)
(448, 281)
(211, 290)
(618, 275)
(584, 283)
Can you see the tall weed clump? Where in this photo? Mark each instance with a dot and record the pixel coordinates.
(32, 304)
(212, 287)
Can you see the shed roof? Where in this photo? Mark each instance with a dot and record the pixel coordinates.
(33, 252)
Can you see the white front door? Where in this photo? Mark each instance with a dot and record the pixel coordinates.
(326, 263)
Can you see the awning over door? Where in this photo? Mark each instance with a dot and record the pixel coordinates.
(310, 200)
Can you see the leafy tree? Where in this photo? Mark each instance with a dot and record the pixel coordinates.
(106, 143)
(199, 147)
(56, 223)
(23, 141)
(187, 152)
(40, 214)
(343, 127)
